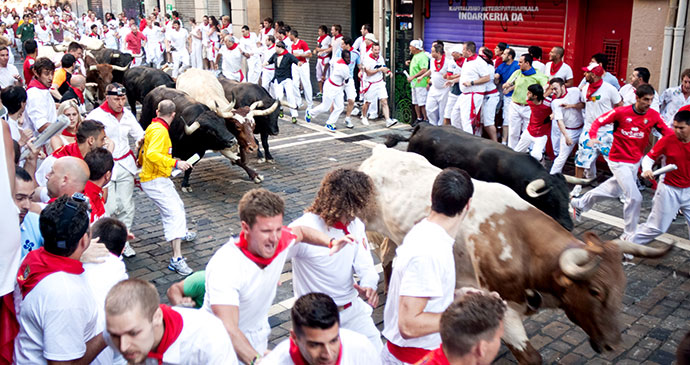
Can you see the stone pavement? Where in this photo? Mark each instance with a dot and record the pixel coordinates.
(656, 304)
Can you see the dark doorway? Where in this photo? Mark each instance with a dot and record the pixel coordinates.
(97, 7)
(362, 13)
(404, 33)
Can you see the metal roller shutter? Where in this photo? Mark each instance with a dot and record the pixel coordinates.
(307, 15)
(186, 10)
(97, 7)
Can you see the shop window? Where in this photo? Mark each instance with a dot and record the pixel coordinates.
(612, 48)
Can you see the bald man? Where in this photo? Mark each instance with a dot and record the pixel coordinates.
(68, 176)
(76, 92)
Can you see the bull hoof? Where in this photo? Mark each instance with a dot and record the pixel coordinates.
(258, 179)
(186, 189)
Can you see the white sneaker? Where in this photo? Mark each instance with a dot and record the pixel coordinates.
(190, 236)
(391, 122)
(348, 123)
(577, 190)
(128, 251)
(179, 265)
(355, 111)
(365, 121)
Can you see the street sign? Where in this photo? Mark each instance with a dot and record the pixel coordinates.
(168, 8)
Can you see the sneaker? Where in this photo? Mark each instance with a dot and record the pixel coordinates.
(128, 251)
(319, 95)
(577, 190)
(621, 199)
(355, 111)
(348, 123)
(294, 120)
(577, 212)
(179, 265)
(330, 127)
(391, 122)
(189, 237)
(307, 116)
(365, 121)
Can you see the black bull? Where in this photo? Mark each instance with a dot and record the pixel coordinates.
(139, 81)
(186, 136)
(486, 160)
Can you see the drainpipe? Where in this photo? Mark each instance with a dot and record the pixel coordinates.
(678, 35)
(668, 44)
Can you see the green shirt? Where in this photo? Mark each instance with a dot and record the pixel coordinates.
(419, 62)
(522, 82)
(195, 287)
(25, 32)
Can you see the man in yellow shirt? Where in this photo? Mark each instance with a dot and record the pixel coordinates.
(157, 163)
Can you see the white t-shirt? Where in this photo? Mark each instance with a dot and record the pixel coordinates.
(40, 109)
(423, 267)
(437, 80)
(101, 278)
(122, 32)
(56, 319)
(370, 63)
(7, 75)
(628, 94)
(471, 71)
(248, 45)
(203, 341)
(339, 73)
(571, 117)
(538, 66)
(489, 85)
(232, 62)
(599, 103)
(233, 279)
(42, 35)
(325, 43)
(356, 350)
(672, 99)
(177, 39)
(10, 250)
(264, 36)
(565, 72)
(266, 54)
(119, 132)
(316, 271)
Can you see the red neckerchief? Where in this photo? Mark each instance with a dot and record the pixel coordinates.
(341, 61)
(271, 47)
(173, 323)
(246, 36)
(436, 357)
(460, 61)
(68, 134)
(37, 84)
(555, 67)
(93, 35)
(234, 45)
(71, 149)
(107, 109)
(320, 39)
(474, 57)
(161, 121)
(368, 47)
(267, 30)
(372, 57)
(79, 93)
(439, 65)
(284, 52)
(39, 263)
(338, 36)
(592, 88)
(286, 236)
(95, 194)
(563, 96)
(341, 226)
(44, 27)
(297, 358)
(224, 26)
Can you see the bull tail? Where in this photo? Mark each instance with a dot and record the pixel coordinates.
(392, 140)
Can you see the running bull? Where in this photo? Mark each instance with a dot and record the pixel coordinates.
(486, 160)
(139, 81)
(195, 128)
(508, 246)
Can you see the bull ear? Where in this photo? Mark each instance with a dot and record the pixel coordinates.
(562, 280)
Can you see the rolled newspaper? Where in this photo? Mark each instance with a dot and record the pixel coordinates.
(665, 169)
(192, 160)
(54, 128)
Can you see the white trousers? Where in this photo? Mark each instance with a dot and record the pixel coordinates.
(564, 149)
(622, 182)
(436, 104)
(300, 74)
(373, 111)
(489, 106)
(388, 359)
(519, 118)
(154, 55)
(285, 87)
(358, 318)
(120, 203)
(460, 116)
(197, 56)
(162, 192)
(254, 69)
(506, 110)
(266, 78)
(537, 144)
(450, 103)
(332, 95)
(180, 59)
(555, 138)
(667, 201)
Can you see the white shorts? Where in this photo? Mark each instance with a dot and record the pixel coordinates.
(489, 109)
(450, 103)
(419, 95)
(162, 191)
(375, 92)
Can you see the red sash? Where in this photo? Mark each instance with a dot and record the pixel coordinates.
(297, 358)
(409, 355)
(173, 327)
(286, 237)
(592, 88)
(555, 67)
(71, 149)
(436, 357)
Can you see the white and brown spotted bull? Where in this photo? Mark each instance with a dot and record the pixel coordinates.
(508, 246)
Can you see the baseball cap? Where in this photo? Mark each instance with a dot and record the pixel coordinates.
(417, 43)
(594, 68)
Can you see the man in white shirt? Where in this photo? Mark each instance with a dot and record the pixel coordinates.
(267, 30)
(491, 95)
(438, 91)
(145, 331)
(557, 68)
(344, 194)
(268, 71)
(569, 121)
(40, 107)
(231, 55)
(639, 76)
(374, 69)
(248, 45)
(536, 53)
(317, 337)
(255, 261)
(101, 277)
(675, 97)
(301, 71)
(422, 285)
(176, 44)
(57, 314)
(43, 33)
(333, 93)
(323, 43)
(359, 44)
(120, 124)
(9, 75)
(473, 76)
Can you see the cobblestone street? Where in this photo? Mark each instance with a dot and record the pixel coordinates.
(656, 304)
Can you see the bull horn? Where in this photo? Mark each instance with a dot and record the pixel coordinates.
(55, 48)
(119, 68)
(287, 104)
(256, 104)
(227, 114)
(231, 153)
(536, 185)
(577, 265)
(578, 180)
(641, 250)
(262, 112)
(93, 68)
(189, 129)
